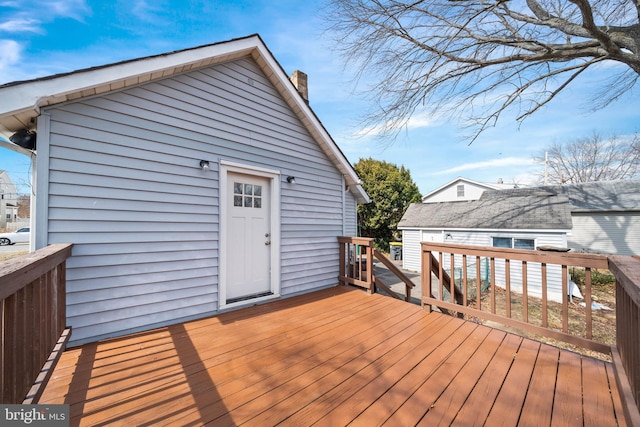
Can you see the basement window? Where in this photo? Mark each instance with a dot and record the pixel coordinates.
(513, 243)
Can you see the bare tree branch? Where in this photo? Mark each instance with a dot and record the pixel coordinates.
(592, 158)
(480, 58)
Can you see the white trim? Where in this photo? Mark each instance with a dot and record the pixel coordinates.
(40, 212)
(32, 95)
(274, 176)
(13, 147)
(489, 230)
(251, 170)
(485, 185)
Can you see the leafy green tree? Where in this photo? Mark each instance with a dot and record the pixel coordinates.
(391, 190)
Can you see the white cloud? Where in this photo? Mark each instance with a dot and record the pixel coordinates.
(10, 57)
(18, 16)
(9, 53)
(144, 11)
(74, 9)
(421, 121)
(502, 162)
(21, 25)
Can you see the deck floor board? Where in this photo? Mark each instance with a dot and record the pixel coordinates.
(332, 357)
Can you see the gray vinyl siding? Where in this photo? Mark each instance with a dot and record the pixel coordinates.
(125, 188)
(350, 215)
(607, 233)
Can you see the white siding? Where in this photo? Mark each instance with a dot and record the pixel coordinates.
(411, 257)
(485, 238)
(350, 215)
(450, 193)
(606, 233)
(126, 189)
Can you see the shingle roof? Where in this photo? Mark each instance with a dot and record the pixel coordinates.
(541, 210)
(621, 195)
(605, 196)
(534, 208)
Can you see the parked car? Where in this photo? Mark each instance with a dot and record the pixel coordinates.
(21, 236)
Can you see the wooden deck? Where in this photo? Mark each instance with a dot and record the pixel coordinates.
(332, 358)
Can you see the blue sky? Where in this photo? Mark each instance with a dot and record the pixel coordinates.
(39, 38)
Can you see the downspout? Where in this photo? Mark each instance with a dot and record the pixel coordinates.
(40, 186)
(344, 206)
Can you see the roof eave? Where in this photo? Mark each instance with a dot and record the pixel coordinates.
(22, 101)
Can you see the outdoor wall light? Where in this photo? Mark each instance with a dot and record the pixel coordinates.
(204, 165)
(291, 179)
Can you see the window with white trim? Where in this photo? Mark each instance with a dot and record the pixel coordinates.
(514, 243)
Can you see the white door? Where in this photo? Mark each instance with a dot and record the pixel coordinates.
(248, 243)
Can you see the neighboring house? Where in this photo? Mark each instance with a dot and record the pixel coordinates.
(606, 217)
(8, 200)
(523, 219)
(189, 183)
(462, 189)
(598, 217)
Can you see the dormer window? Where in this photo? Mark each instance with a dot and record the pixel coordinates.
(460, 189)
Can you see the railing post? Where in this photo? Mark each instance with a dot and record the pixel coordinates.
(369, 264)
(32, 291)
(343, 263)
(425, 278)
(627, 352)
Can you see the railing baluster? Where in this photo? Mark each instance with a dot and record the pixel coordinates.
(565, 300)
(507, 285)
(341, 268)
(464, 280)
(493, 284)
(587, 301)
(525, 294)
(478, 284)
(545, 314)
(441, 276)
(452, 282)
(426, 278)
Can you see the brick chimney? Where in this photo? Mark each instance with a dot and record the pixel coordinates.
(299, 80)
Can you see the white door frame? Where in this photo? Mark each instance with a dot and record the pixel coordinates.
(274, 215)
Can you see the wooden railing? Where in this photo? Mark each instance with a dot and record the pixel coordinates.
(356, 267)
(356, 263)
(512, 272)
(32, 321)
(408, 284)
(626, 353)
(466, 280)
